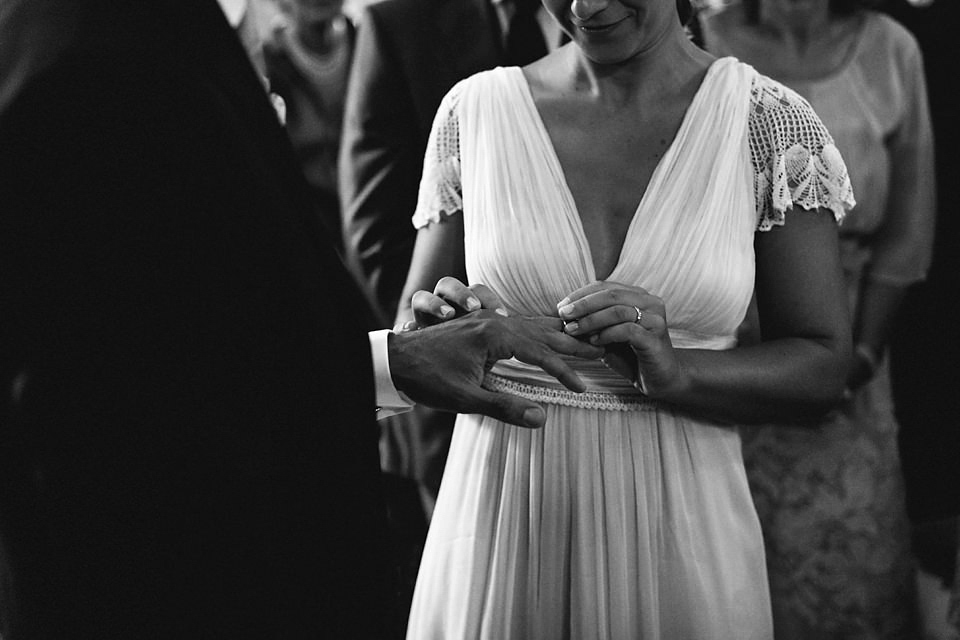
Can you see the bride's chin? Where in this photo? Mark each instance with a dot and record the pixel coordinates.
(608, 56)
(608, 53)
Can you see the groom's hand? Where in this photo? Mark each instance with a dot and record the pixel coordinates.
(443, 366)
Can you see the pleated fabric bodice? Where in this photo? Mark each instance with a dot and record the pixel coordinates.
(524, 238)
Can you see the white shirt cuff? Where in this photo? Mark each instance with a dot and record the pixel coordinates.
(390, 401)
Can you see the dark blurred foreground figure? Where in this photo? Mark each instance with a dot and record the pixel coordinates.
(831, 499)
(187, 436)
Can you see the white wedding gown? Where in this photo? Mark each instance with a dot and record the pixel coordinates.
(620, 518)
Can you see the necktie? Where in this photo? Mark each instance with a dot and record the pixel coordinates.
(525, 41)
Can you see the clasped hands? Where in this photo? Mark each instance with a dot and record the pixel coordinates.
(442, 364)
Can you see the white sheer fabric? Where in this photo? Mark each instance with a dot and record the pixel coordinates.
(620, 518)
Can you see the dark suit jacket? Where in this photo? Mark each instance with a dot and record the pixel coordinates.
(408, 54)
(187, 443)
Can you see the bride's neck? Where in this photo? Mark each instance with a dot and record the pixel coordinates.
(657, 71)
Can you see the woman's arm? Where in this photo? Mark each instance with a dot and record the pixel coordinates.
(799, 369)
(876, 314)
(438, 252)
(797, 372)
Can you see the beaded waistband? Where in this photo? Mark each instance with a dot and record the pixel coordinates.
(606, 389)
(606, 401)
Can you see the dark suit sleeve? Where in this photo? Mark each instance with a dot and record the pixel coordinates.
(380, 163)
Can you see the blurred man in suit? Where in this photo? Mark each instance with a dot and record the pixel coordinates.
(187, 436)
(409, 53)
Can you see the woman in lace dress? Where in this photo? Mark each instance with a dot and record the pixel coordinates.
(831, 499)
(638, 188)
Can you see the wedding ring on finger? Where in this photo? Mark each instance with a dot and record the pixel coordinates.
(639, 315)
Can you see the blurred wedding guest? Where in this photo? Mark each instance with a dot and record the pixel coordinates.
(307, 56)
(831, 498)
(187, 399)
(408, 54)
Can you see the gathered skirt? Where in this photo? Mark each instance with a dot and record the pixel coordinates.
(603, 524)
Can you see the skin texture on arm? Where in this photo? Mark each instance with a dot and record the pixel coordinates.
(444, 366)
(797, 372)
(876, 315)
(438, 253)
(800, 367)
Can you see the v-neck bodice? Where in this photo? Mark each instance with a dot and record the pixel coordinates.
(691, 237)
(529, 105)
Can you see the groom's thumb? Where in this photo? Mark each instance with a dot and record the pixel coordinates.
(523, 413)
(533, 417)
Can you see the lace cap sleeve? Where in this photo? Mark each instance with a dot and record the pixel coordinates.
(795, 161)
(440, 191)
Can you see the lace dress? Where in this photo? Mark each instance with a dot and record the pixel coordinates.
(831, 499)
(620, 518)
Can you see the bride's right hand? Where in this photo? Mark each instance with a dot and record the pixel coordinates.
(625, 319)
(450, 299)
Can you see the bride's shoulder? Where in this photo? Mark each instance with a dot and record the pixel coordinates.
(480, 84)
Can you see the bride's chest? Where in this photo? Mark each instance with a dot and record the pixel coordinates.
(607, 169)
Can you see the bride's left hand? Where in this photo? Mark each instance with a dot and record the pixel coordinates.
(450, 299)
(615, 315)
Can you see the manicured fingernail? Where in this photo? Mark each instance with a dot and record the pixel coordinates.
(446, 310)
(534, 417)
(501, 311)
(472, 304)
(565, 310)
(572, 327)
(563, 303)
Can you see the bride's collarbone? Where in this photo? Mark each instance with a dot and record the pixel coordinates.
(608, 167)
(608, 158)
(628, 141)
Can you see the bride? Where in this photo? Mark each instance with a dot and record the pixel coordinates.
(641, 190)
